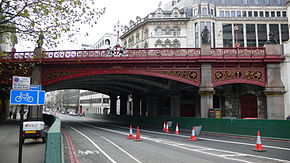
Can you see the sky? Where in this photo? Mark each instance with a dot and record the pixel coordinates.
(116, 10)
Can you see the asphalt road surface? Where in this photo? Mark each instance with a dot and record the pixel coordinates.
(87, 140)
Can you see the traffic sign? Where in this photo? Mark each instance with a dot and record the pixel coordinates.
(20, 82)
(27, 97)
(35, 87)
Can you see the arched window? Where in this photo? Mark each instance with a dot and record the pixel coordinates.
(107, 42)
(146, 44)
(158, 31)
(176, 44)
(146, 33)
(167, 44)
(137, 37)
(167, 31)
(176, 31)
(158, 44)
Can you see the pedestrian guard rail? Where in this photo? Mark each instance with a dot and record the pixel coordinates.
(54, 143)
(274, 129)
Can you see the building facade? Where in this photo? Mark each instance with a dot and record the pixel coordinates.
(244, 23)
(230, 23)
(93, 102)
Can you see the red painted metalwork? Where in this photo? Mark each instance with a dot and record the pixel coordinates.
(247, 75)
(216, 53)
(50, 77)
(249, 106)
(181, 64)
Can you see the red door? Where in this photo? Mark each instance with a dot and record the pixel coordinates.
(249, 107)
(187, 110)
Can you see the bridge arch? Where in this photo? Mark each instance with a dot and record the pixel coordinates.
(188, 77)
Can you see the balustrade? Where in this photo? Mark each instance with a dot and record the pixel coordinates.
(217, 53)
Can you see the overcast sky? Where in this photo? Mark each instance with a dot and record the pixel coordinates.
(116, 10)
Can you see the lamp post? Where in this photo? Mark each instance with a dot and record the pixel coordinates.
(117, 28)
(236, 29)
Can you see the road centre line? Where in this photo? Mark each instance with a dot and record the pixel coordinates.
(208, 139)
(218, 155)
(103, 152)
(118, 147)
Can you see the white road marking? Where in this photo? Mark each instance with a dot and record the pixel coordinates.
(118, 147)
(197, 150)
(103, 152)
(208, 139)
(235, 153)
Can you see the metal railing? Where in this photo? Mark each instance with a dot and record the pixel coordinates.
(256, 52)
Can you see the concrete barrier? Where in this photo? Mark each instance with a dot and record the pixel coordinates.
(274, 129)
(54, 146)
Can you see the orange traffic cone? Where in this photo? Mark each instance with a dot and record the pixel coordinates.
(259, 147)
(167, 128)
(193, 138)
(138, 136)
(130, 134)
(164, 126)
(176, 130)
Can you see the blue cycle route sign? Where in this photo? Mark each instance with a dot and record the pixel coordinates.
(27, 97)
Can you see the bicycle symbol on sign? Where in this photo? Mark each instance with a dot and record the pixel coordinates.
(24, 96)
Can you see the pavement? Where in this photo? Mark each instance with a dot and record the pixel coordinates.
(33, 150)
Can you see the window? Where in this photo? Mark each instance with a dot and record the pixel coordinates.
(239, 34)
(255, 13)
(196, 28)
(244, 13)
(239, 14)
(204, 11)
(195, 12)
(245, 2)
(234, 2)
(250, 14)
(251, 35)
(279, 2)
(284, 14)
(227, 35)
(176, 31)
(284, 32)
(212, 12)
(223, 2)
(158, 31)
(267, 14)
(256, 2)
(146, 45)
(158, 44)
(267, 2)
(227, 14)
(222, 14)
(176, 44)
(278, 13)
(272, 13)
(146, 34)
(274, 28)
(261, 13)
(233, 14)
(167, 31)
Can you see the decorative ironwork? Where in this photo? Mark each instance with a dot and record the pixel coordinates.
(222, 75)
(117, 51)
(55, 75)
(189, 75)
(250, 52)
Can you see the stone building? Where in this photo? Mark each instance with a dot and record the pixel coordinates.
(230, 23)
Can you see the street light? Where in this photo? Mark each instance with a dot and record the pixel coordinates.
(236, 29)
(117, 28)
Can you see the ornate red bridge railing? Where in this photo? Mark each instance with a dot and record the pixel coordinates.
(256, 52)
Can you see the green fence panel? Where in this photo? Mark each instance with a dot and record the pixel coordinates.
(53, 149)
(276, 129)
